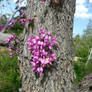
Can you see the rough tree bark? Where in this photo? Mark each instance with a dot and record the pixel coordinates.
(58, 19)
(85, 85)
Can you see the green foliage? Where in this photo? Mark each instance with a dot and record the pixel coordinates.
(17, 29)
(89, 66)
(82, 47)
(9, 73)
(80, 70)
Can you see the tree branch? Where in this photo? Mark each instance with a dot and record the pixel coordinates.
(6, 25)
(89, 57)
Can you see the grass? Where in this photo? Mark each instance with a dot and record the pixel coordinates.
(81, 70)
(9, 73)
(10, 79)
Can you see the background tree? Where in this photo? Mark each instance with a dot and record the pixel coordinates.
(83, 50)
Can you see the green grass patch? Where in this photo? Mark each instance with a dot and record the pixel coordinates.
(9, 73)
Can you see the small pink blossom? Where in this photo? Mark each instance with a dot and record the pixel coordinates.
(43, 0)
(42, 31)
(29, 18)
(11, 55)
(10, 48)
(23, 20)
(40, 70)
(7, 40)
(12, 36)
(54, 40)
(17, 52)
(33, 64)
(14, 21)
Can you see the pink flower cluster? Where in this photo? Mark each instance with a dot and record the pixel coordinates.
(12, 37)
(41, 47)
(7, 41)
(21, 21)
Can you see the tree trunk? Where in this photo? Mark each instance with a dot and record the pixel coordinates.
(58, 19)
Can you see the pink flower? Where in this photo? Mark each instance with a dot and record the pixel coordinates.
(42, 36)
(43, 0)
(34, 69)
(33, 64)
(54, 40)
(11, 55)
(17, 52)
(30, 48)
(13, 36)
(22, 20)
(47, 39)
(34, 47)
(49, 33)
(33, 41)
(10, 48)
(40, 70)
(53, 57)
(50, 46)
(42, 31)
(7, 40)
(43, 63)
(29, 18)
(44, 53)
(39, 43)
(35, 57)
(37, 38)
(14, 21)
(36, 53)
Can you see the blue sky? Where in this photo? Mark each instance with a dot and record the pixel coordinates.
(82, 15)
